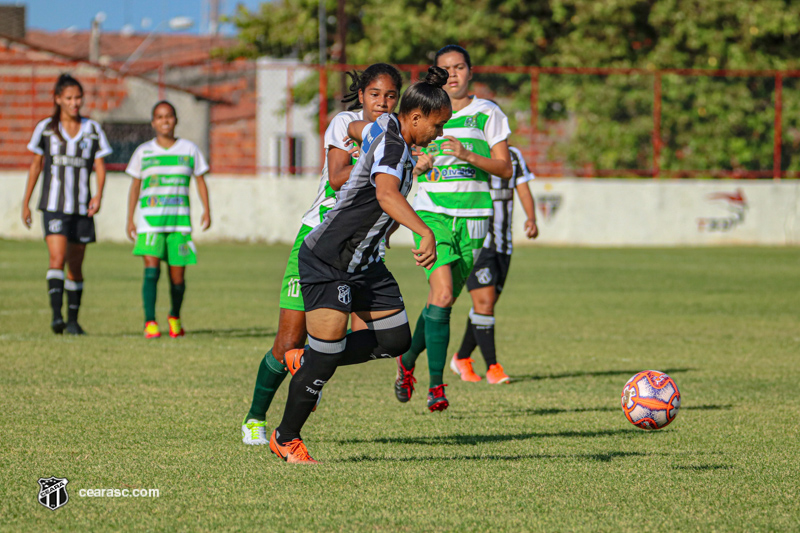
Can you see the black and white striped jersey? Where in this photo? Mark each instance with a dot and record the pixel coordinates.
(502, 191)
(68, 165)
(349, 236)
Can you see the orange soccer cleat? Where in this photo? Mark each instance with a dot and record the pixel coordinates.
(293, 451)
(495, 375)
(175, 327)
(463, 368)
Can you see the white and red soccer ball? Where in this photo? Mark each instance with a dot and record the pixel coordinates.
(651, 399)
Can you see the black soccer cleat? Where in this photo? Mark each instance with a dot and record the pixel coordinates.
(73, 328)
(404, 383)
(58, 325)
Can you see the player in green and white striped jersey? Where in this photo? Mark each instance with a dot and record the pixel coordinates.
(455, 202)
(161, 170)
(375, 91)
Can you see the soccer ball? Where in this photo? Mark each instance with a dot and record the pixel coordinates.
(651, 399)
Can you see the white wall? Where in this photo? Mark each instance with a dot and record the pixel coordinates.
(592, 212)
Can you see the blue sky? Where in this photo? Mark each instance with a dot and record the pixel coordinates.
(62, 14)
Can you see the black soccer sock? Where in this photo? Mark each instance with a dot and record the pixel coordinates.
(385, 338)
(483, 326)
(149, 292)
(319, 364)
(176, 291)
(270, 376)
(74, 292)
(55, 288)
(468, 343)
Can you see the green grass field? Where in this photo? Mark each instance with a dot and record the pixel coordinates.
(550, 452)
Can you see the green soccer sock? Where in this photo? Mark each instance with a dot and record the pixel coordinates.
(270, 376)
(417, 343)
(149, 292)
(176, 291)
(437, 337)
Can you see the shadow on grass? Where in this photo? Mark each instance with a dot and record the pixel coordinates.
(461, 440)
(701, 468)
(629, 373)
(725, 407)
(233, 332)
(557, 411)
(601, 457)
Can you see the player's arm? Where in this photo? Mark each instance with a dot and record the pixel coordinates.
(526, 199)
(202, 191)
(339, 166)
(355, 129)
(396, 206)
(133, 199)
(33, 176)
(499, 164)
(100, 171)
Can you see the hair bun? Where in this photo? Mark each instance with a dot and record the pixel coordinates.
(437, 76)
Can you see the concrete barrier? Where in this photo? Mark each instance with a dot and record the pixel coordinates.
(589, 212)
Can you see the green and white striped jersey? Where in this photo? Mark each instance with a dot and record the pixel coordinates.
(334, 138)
(165, 175)
(454, 187)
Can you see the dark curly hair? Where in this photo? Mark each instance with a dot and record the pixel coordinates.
(359, 81)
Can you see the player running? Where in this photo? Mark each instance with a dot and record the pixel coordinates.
(374, 92)
(454, 201)
(340, 266)
(161, 170)
(488, 276)
(66, 146)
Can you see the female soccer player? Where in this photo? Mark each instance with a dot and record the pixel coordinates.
(488, 276)
(66, 146)
(374, 92)
(454, 200)
(339, 261)
(161, 170)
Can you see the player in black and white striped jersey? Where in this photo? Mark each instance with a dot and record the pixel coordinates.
(341, 271)
(66, 146)
(488, 276)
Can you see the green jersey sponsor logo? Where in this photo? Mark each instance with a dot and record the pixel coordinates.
(167, 161)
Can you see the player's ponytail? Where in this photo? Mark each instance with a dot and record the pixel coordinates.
(359, 81)
(64, 80)
(427, 95)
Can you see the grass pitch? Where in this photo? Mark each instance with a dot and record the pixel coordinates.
(550, 452)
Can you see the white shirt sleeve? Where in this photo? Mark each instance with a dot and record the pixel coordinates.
(104, 148)
(337, 131)
(134, 168)
(525, 175)
(37, 139)
(200, 165)
(496, 129)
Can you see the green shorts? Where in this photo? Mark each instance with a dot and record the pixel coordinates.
(291, 297)
(458, 243)
(177, 249)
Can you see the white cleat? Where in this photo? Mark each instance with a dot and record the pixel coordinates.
(254, 432)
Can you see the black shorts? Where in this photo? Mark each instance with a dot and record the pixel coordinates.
(491, 269)
(76, 228)
(325, 287)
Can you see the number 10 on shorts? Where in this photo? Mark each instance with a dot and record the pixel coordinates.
(294, 288)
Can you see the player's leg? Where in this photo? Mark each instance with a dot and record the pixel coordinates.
(180, 254)
(57, 249)
(74, 286)
(478, 280)
(152, 248)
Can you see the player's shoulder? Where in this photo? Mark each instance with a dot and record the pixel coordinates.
(91, 126)
(185, 145)
(515, 153)
(485, 106)
(41, 127)
(145, 146)
(346, 117)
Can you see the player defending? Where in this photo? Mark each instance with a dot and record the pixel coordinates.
(161, 170)
(488, 276)
(66, 146)
(340, 266)
(454, 201)
(374, 92)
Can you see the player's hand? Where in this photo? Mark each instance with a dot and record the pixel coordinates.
(453, 146)
(94, 206)
(425, 255)
(205, 221)
(131, 230)
(389, 233)
(352, 147)
(26, 216)
(424, 163)
(531, 229)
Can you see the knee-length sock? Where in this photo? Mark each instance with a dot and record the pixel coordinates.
(417, 342)
(437, 337)
(468, 343)
(55, 289)
(270, 376)
(149, 292)
(74, 293)
(176, 291)
(483, 326)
